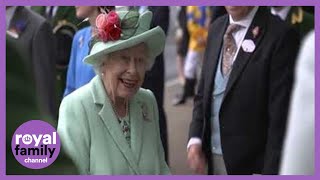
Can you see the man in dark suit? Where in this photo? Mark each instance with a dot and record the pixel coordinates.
(32, 36)
(240, 109)
(64, 26)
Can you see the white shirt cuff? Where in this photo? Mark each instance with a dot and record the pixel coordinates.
(193, 141)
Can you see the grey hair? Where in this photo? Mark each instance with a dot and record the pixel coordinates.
(97, 67)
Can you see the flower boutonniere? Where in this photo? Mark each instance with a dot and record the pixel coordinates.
(145, 113)
(17, 28)
(248, 45)
(255, 32)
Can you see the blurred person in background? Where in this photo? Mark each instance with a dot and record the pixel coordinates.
(32, 36)
(111, 125)
(309, 9)
(64, 26)
(22, 105)
(182, 41)
(80, 73)
(298, 154)
(301, 20)
(198, 19)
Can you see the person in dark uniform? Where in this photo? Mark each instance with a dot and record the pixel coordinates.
(297, 17)
(64, 26)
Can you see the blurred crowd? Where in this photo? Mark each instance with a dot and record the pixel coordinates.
(46, 45)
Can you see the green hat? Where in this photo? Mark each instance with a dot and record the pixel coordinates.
(135, 29)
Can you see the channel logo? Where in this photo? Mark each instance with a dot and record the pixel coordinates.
(35, 144)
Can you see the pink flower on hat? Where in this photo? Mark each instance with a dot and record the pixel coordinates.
(108, 26)
(101, 21)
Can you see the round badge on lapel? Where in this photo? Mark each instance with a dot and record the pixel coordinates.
(248, 46)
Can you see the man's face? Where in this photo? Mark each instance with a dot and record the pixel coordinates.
(238, 12)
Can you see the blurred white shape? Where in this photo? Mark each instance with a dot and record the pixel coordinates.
(298, 154)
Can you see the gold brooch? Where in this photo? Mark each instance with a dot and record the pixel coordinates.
(145, 113)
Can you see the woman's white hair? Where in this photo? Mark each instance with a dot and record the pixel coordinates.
(97, 67)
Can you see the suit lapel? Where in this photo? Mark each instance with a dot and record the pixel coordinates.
(214, 53)
(243, 57)
(110, 120)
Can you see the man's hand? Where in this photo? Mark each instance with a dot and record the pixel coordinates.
(196, 159)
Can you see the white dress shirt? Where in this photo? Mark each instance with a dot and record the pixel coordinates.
(238, 37)
(241, 33)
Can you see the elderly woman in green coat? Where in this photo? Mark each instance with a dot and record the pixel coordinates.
(110, 125)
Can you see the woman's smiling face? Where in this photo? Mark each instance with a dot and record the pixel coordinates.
(123, 71)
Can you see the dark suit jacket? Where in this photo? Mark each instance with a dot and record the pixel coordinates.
(254, 109)
(21, 106)
(35, 43)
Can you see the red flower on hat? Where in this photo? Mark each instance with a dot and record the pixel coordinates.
(108, 26)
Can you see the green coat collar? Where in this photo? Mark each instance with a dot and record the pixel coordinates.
(110, 120)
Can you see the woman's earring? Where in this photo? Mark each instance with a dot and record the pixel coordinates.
(102, 74)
